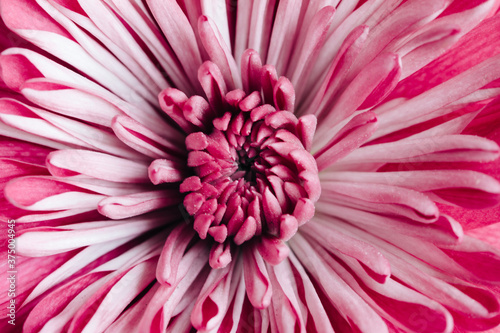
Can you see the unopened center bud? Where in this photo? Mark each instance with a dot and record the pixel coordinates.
(254, 175)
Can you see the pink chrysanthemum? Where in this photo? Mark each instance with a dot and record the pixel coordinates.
(249, 166)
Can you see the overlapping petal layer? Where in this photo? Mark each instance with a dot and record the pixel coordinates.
(283, 166)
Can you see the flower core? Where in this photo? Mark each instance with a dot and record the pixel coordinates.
(252, 173)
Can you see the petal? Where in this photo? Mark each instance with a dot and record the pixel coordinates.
(180, 35)
(477, 257)
(285, 308)
(212, 303)
(446, 148)
(45, 313)
(258, 286)
(98, 165)
(366, 89)
(472, 49)
(356, 132)
(338, 69)
(283, 31)
(115, 299)
(68, 101)
(167, 297)
(373, 261)
(124, 46)
(312, 40)
(311, 299)
(421, 107)
(49, 36)
(46, 194)
(219, 52)
(461, 187)
(141, 22)
(59, 129)
(145, 141)
(42, 242)
(411, 203)
(118, 208)
(444, 231)
(171, 255)
(79, 261)
(343, 298)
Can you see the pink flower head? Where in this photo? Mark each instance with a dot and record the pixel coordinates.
(250, 166)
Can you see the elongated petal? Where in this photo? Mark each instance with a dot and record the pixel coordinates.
(44, 242)
(258, 286)
(212, 302)
(219, 52)
(180, 35)
(344, 299)
(447, 148)
(101, 166)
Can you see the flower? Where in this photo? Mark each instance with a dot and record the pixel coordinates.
(250, 166)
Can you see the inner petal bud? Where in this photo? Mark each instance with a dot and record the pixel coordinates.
(253, 175)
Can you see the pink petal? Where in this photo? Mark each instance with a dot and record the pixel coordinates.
(214, 85)
(189, 268)
(46, 194)
(131, 317)
(116, 297)
(171, 255)
(286, 312)
(79, 261)
(117, 208)
(180, 35)
(471, 219)
(234, 318)
(145, 141)
(474, 48)
(251, 66)
(58, 130)
(472, 189)
(258, 286)
(477, 257)
(345, 300)
(311, 299)
(283, 31)
(213, 300)
(423, 105)
(144, 26)
(356, 132)
(38, 242)
(444, 231)
(50, 37)
(98, 165)
(243, 17)
(124, 46)
(260, 27)
(392, 195)
(68, 101)
(312, 40)
(54, 303)
(426, 47)
(369, 87)
(272, 250)
(219, 52)
(165, 171)
(446, 148)
(408, 17)
(377, 266)
(337, 71)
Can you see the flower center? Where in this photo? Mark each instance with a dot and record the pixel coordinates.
(252, 176)
(253, 173)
